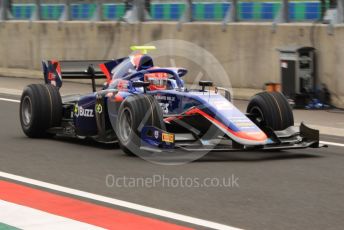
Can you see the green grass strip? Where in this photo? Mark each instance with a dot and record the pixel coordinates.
(7, 227)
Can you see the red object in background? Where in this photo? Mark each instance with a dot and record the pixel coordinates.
(273, 87)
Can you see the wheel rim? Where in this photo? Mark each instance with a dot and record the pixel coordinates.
(125, 123)
(258, 114)
(26, 111)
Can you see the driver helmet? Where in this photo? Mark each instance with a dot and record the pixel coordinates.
(158, 81)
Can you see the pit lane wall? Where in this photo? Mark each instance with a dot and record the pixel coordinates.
(247, 51)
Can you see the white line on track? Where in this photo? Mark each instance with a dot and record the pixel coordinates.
(332, 143)
(121, 203)
(9, 100)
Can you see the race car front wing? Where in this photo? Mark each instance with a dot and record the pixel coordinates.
(294, 137)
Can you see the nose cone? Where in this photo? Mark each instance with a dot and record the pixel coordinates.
(257, 136)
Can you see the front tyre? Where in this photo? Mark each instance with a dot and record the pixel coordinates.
(40, 109)
(134, 113)
(270, 109)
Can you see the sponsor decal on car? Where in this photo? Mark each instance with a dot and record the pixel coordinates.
(80, 111)
(164, 107)
(223, 105)
(168, 137)
(99, 108)
(156, 134)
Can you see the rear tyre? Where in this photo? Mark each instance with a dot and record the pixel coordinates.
(134, 113)
(40, 110)
(271, 109)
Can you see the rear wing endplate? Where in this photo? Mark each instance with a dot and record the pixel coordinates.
(54, 71)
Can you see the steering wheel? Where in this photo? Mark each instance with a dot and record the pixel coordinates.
(140, 73)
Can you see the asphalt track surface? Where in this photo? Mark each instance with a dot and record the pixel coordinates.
(298, 189)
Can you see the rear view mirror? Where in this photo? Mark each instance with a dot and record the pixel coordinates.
(138, 84)
(205, 83)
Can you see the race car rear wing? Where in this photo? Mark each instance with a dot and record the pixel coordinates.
(54, 71)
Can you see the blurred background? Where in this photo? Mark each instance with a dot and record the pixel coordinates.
(166, 10)
(257, 42)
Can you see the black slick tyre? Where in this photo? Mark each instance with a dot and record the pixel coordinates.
(135, 112)
(40, 110)
(271, 109)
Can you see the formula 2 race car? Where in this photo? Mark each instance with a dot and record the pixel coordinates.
(148, 108)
